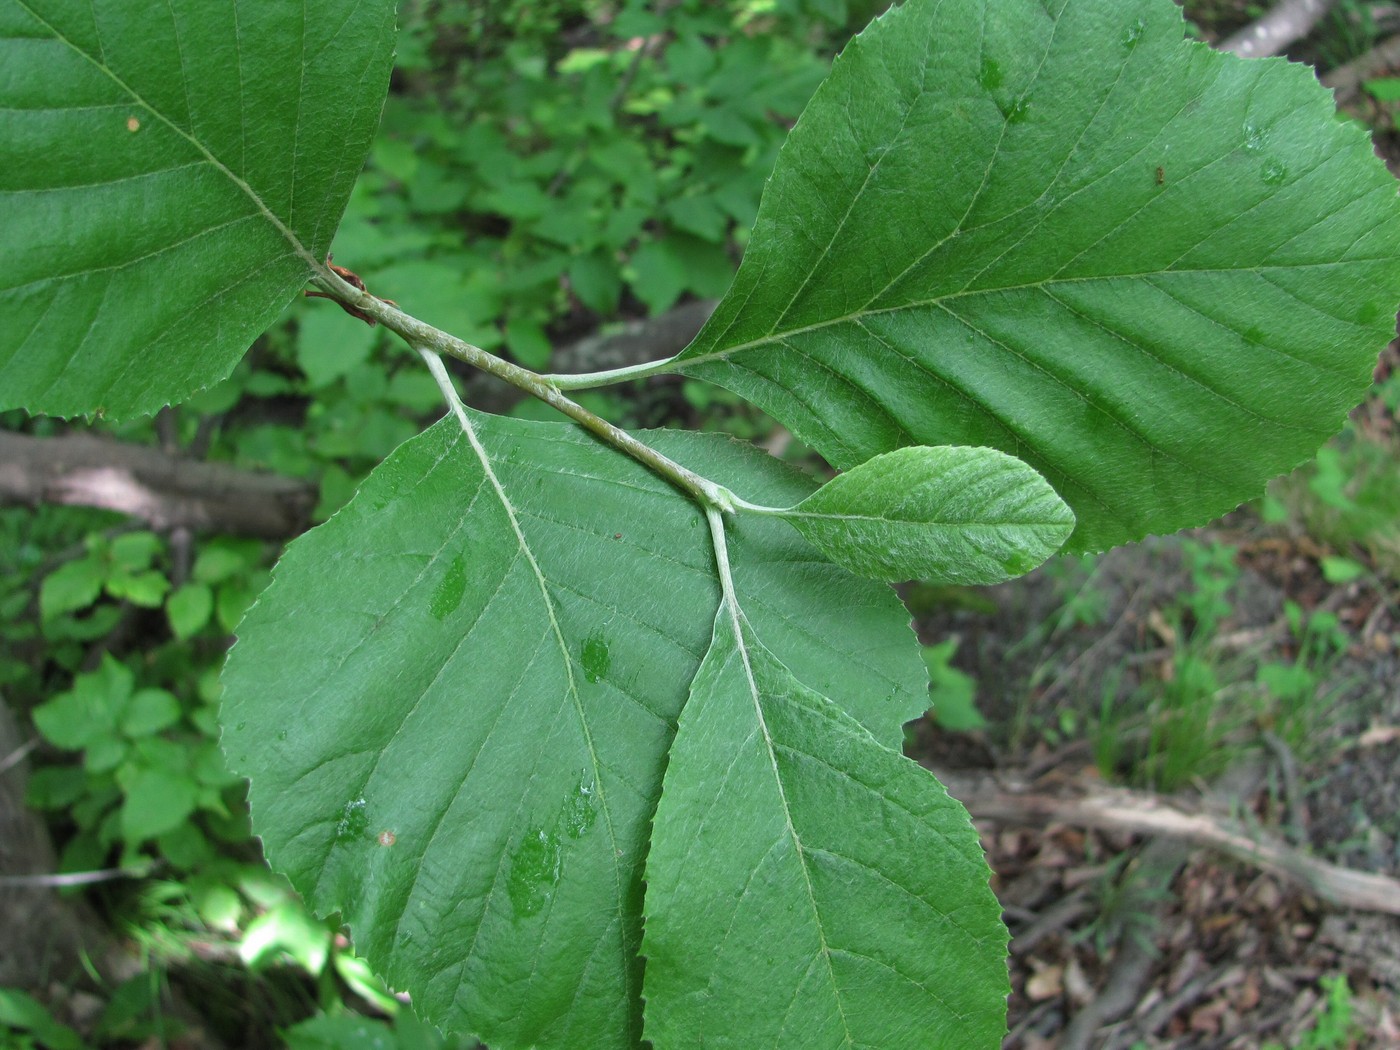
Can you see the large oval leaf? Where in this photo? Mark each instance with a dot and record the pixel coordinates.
(470, 780)
(1156, 273)
(169, 175)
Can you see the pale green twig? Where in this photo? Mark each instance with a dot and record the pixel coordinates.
(424, 337)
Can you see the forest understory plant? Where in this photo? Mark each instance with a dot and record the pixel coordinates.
(591, 737)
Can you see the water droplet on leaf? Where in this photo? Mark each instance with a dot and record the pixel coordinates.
(1253, 137)
(1016, 111)
(1133, 34)
(1273, 173)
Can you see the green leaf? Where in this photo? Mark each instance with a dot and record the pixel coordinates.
(806, 885)
(186, 847)
(1339, 570)
(149, 711)
(72, 586)
(146, 589)
(134, 551)
(947, 515)
(595, 280)
(90, 710)
(157, 801)
(189, 609)
(478, 768)
(1158, 274)
(953, 692)
(105, 753)
(20, 1011)
(233, 599)
(286, 928)
(56, 787)
(353, 1032)
(168, 179)
(328, 347)
(528, 343)
(465, 303)
(700, 215)
(657, 276)
(1383, 89)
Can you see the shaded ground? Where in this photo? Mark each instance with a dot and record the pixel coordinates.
(1222, 955)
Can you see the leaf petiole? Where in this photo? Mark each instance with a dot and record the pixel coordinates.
(590, 380)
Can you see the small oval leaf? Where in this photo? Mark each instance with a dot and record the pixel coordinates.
(949, 514)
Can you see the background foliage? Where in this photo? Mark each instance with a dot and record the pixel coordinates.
(541, 167)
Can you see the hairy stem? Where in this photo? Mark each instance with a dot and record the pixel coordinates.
(726, 579)
(424, 337)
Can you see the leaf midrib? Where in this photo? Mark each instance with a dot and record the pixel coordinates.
(858, 316)
(459, 411)
(736, 619)
(962, 526)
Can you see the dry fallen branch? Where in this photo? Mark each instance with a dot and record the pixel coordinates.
(1120, 810)
(1347, 80)
(1285, 24)
(144, 482)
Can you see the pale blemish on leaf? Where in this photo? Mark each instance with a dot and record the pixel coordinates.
(353, 822)
(534, 872)
(580, 809)
(597, 660)
(990, 76)
(447, 596)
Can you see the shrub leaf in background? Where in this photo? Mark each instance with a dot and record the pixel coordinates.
(456, 699)
(173, 173)
(840, 895)
(944, 515)
(1157, 273)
